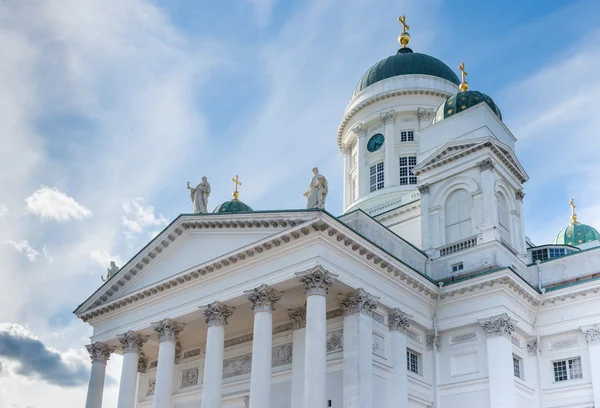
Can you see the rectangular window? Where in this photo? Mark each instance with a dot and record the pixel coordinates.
(567, 369)
(376, 177)
(539, 254)
(407, 164)
(458, 267)
(407, 136)
(518, 366)
(412, 361)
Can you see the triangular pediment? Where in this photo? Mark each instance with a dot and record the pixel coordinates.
(457, 149)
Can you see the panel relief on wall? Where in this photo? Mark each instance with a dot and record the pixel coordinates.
(237, 365)
(335, 341)
(189, 377)
(378, 345)
(282, 355)
(151, 386)
(566, 343)
(463, 338)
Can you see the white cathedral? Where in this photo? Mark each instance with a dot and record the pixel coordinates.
(426, 292)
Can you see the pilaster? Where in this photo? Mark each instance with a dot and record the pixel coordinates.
(398, 323)
(391, 167)
(362, 173)
(592, 335)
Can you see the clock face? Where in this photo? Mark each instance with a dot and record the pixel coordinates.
(375, 142)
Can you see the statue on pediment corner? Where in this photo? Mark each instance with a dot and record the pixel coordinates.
(112, 271)
(317, 191)
(199, 196)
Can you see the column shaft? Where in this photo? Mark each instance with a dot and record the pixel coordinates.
(501, 374)
(128, 383)
(262, 344)
(164, 374)
(358, 361)
(298, 347)
(315, 357)
(397, 394)
(96, 386)
(213, 367)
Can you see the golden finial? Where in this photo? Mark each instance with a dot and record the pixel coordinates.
(237, 182)
(404, 38)
(573, 215)
(464, 85)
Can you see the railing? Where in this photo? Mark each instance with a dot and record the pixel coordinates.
(458, 246)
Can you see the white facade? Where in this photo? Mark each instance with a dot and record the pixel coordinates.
(423, 294)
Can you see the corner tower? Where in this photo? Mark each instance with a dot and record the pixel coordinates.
(378, 136)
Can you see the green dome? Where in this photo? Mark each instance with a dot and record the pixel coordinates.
(233, 206)
(577, 234)
(462, 101)
(405, 62)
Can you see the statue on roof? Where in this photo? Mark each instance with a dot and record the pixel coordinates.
(317, 191)
(199, 196)
(112, 271)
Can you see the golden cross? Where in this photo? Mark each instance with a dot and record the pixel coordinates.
(573, 215)
(237, 182)
(402, 20)
(464, 86)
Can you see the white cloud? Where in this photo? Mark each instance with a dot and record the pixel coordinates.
(46, 253)
(23, 247)
(50, 203)
(137, 216)
(102, 257)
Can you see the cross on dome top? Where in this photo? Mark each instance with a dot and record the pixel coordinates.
(404, 38)
(464, 85)
(237, 182)
(573, 215)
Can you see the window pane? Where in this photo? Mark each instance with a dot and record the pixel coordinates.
(376, 181)
(517, 367)
(412, 362)
(560, 371)
(575, 368)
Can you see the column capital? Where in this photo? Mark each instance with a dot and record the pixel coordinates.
(359, 129)
(316, 280)
(99, 352)
(359, 301)
(501, 325)
(298, 317)
(432, 340)
(132, 342)
(520, 195)
(216, 313)
(486, 164)
(142, 362)
(263, 298)
(167, 329)
(388, 117)
(592, 335)
(399, 321)
(532, 346)
(423, 189)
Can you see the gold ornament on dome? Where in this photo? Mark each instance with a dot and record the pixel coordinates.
(573, 215)
(404, 38)
(464, 85)
(237, 182)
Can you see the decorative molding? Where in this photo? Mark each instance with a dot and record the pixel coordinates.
(413, 335)
(239, 340)
(486, 164)
(379, 318)
(151, 386)
(562, 344)
(142, 363)
(507, 281)
(568, 296)
(99, 352)
(189, 377)
(177, 352)
(167, 329)
(316, 281)
(132, 342)
(298, 317)
(501, 325)
(192, 353)
(239, 365)
(332, 314)
(519, 195)
(335, 341)
(463, 338)
(399, 321)
(153, 364)
(424, 189)
(424, 114)
(216, 313)
(281, 355)
(388, 117)
(592, 335)
(431, 340)
(532, 347)
(263, 298)
(359, 129)
(359, 301)
(378, 345)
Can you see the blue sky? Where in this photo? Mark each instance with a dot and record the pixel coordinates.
(108, 107)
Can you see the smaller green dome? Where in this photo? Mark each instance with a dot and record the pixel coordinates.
(233, 206)
(577, 234)
(462, 101)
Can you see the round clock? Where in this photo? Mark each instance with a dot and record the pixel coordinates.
(375, 142)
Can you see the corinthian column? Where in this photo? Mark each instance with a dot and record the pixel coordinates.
(263, 300)
(216, 315)
(592, 335)
(167, 331)
(397, 395)
(498, 330)
(298, 317)
(132, 345)
(99, 353)
(362, 173)
(316, 285)
(358, 348)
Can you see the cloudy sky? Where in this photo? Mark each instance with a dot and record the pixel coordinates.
(107, 108)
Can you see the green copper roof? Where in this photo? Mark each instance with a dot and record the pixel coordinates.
(405, 62)
(233, 206)
(577, 234)
(462, 101)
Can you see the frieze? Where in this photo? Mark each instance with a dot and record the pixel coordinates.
(282, 355)
(192, 353)
(239, 365)
(153, 364)
(335, 341)
(189, 377)
(463, 338)
(561, 344)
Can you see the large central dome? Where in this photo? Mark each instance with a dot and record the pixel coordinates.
(405, 62)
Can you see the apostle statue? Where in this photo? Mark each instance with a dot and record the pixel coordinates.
(112, 271)
(199, 196)
(317, 191)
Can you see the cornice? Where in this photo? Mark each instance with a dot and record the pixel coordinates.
(322, 226)
(572, 293)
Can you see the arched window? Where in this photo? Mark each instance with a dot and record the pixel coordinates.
(458, 216)
(503, 217)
